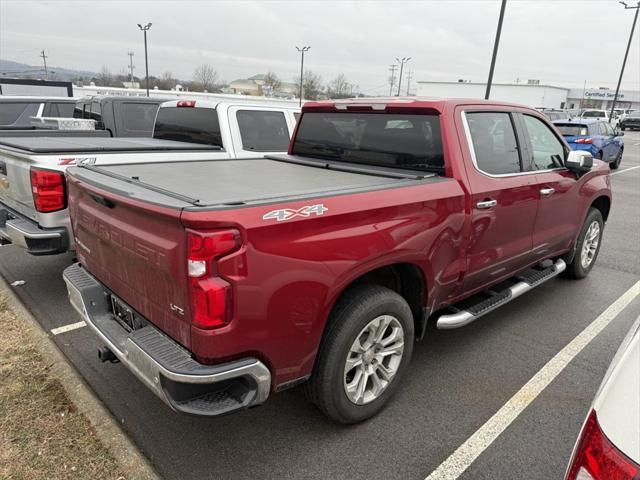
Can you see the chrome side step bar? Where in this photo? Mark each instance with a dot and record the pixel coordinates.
(528, 280)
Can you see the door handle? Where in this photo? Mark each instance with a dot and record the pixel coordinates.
(483, 205)
(545, 192)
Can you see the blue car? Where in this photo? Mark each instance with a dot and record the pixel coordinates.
(595, 136)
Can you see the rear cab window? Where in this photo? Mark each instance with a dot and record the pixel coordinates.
(58, 109)
(407, 141)
(188, 124)
(494, 142)
(139, 117)
(11, 112)
(263, 130)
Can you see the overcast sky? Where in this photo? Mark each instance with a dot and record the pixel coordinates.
(558, 42)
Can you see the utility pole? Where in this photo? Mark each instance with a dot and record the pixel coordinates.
(131, 67)
(401, 61)
(44, 59)
(392, 69)
(302, 51)
(495, 49)
(146, 57)
(409, 74)
(626, 54)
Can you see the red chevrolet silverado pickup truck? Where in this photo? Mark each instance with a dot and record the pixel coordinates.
(218, 283)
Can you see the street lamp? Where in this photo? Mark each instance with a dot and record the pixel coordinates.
(626, 54)
(401, 61)
(302, 50)
(146, 58)
(495, 50)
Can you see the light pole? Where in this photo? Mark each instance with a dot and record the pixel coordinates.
(626, 54)
(302, 50)
(495, 50)
(401, 61)
(146, 58)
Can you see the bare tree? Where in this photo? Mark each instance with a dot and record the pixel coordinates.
(205, 77)
(339, 87)
(105, 77)
(166, 81)
(311, 85)
(272, 81)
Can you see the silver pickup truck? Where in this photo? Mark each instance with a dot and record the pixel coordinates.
(33, 197)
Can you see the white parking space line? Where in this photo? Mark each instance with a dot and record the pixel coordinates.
(625, 170)
(471, 449)
(68, 328)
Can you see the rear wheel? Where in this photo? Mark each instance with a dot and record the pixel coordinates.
(616, 163)
(587, 245)
(366, 350)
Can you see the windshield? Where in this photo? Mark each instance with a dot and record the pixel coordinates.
(570, 130)
(381, 139)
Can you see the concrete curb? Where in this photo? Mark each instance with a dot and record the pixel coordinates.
(136, 466)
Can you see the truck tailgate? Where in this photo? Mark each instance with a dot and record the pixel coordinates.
(137, 250)
(15, 184)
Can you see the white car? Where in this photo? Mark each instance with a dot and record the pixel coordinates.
(608, 447)
(600, 114)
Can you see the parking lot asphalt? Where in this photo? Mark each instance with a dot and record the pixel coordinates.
(458, 380)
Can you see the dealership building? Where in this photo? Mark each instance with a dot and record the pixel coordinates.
(534, 94)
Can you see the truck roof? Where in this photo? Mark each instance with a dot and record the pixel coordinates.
(380, 103)
(97, 144)
(35, 98)
(214, 103)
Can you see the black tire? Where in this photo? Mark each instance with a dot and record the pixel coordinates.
(576, 269)
(616, 163)
(351, 314)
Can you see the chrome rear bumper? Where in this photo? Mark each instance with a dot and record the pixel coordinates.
(164, 366)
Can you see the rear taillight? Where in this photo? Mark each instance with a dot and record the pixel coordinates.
(583, 140)
(596, 458)
(211, 296)
(186, 103)
(48, 190)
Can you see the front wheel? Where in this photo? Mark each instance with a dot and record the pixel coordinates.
(587, 245)
(366, 350)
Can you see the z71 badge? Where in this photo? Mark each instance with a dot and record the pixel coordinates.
(289, 213)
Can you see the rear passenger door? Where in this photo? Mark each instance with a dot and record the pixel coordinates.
(504, 198)
(258, 131)
(559, 207)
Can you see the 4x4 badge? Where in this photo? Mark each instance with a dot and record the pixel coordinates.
(289, 213)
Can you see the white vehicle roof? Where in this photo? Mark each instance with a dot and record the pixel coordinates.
(617, 402)
(35, 98)
(231, 103)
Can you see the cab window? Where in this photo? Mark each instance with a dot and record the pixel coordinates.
(547, 150)
(263, 131)
(494, 142)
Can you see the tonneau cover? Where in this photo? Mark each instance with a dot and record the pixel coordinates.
(238, 181)
(98, 144)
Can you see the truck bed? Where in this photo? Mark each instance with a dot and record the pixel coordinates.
(224, 183)
(78, 144)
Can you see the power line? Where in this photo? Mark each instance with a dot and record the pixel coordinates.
(131, 66)
(392, 82)
(401, 61)
(44, 59)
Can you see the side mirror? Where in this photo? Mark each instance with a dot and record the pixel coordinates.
(579, 161)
